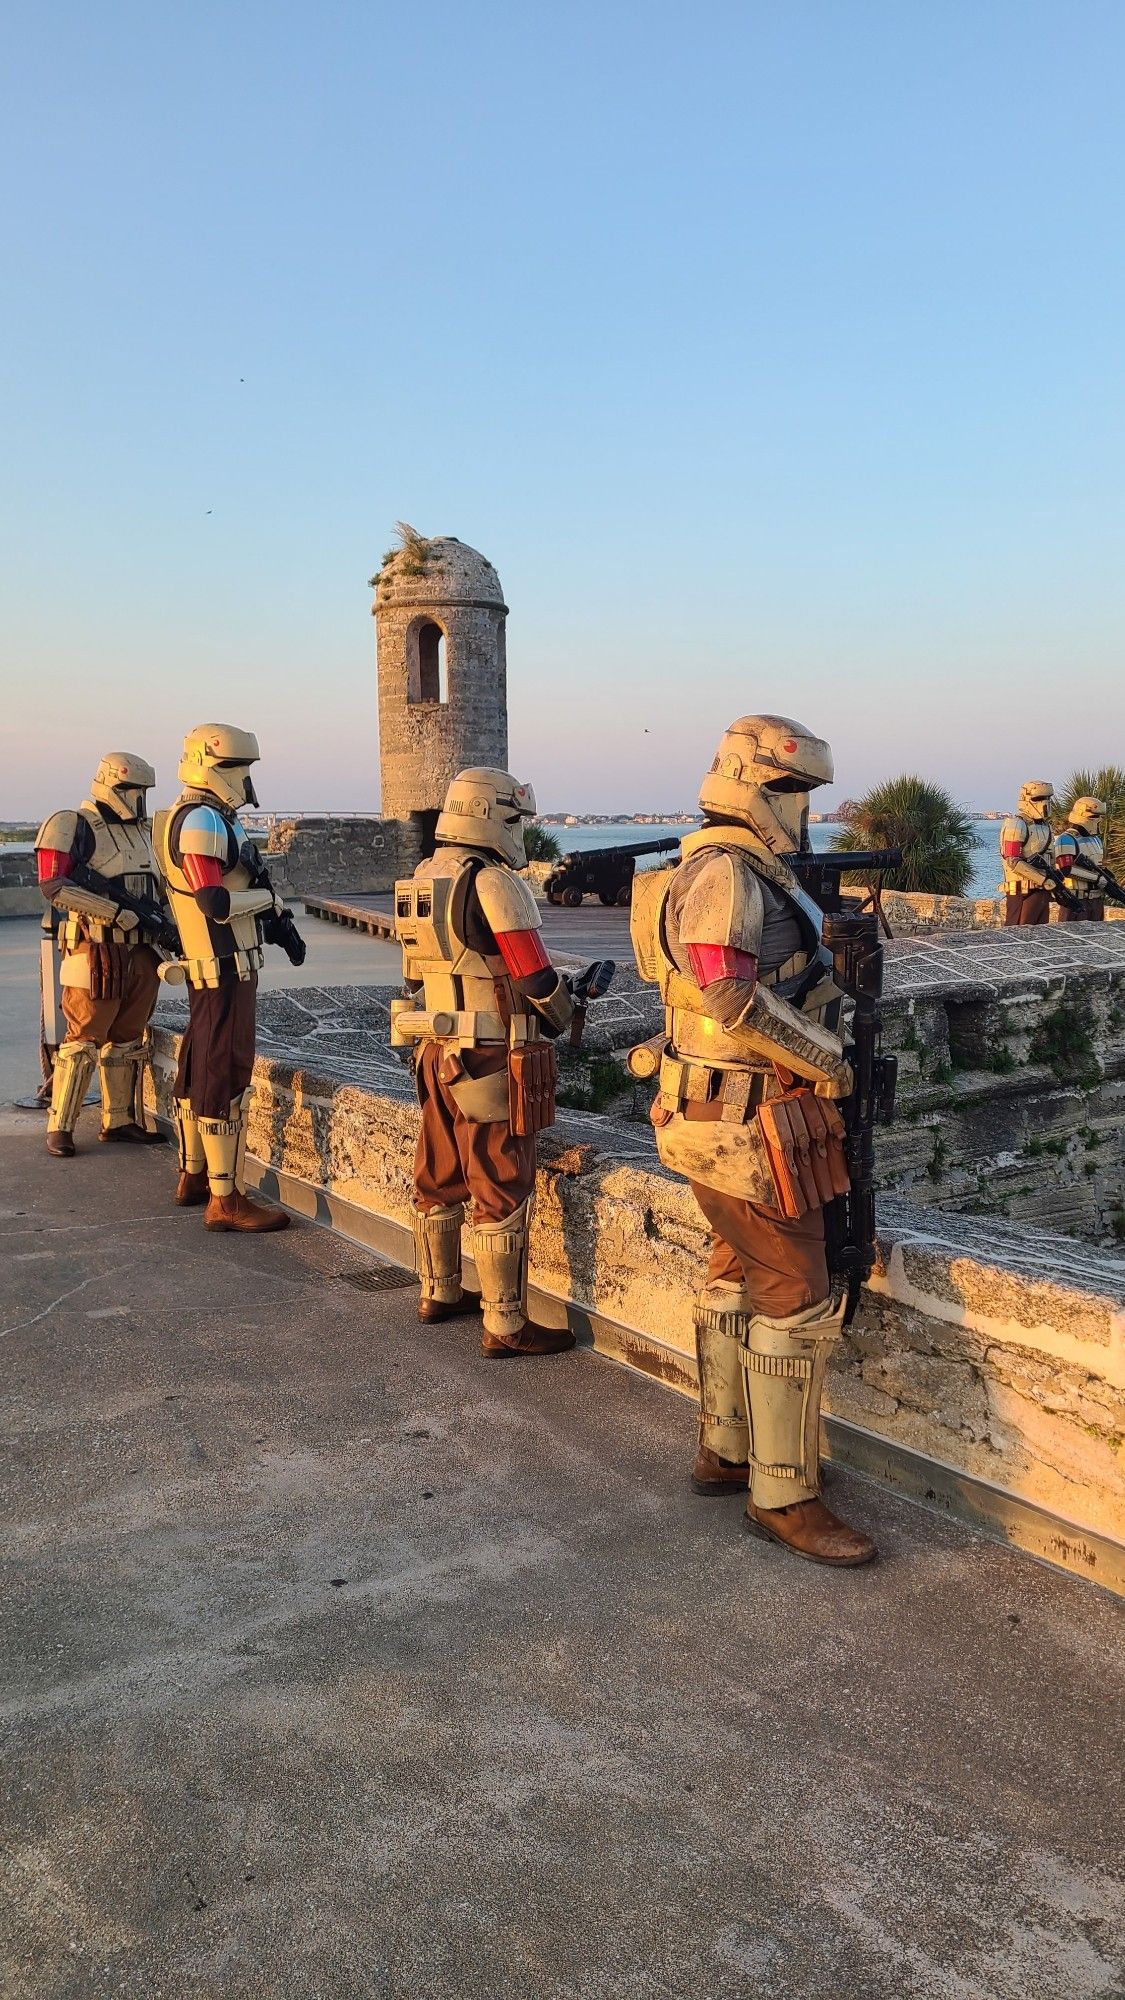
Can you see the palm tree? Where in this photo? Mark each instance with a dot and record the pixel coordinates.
(540, 844)
(1108, 785)
(937, 839)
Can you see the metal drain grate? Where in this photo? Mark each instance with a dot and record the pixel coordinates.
(378, 1278)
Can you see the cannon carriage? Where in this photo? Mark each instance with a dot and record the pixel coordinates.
(605, 872)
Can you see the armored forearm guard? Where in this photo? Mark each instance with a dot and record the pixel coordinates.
(555, 1009)
(248, 903)
(87, 903)
(771, 1027)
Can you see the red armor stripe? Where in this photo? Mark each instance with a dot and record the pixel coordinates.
(204, 871)
(1011, 849)
(709, 962)
(51, 863)
(523, 952)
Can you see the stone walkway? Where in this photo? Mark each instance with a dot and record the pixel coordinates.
(339, 1662)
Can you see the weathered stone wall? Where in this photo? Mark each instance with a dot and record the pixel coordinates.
(993, 1354)
(1011, 1051)
(19, 890)
(423, 743)
(310, 856)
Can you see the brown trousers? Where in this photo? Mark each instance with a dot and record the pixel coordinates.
(217, 1051)
(123, 1020)
(1092, 911)
(456, 1160)
(781, 1263)
(1028, 906)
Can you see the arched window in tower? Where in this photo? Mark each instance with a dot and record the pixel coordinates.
(425, 662)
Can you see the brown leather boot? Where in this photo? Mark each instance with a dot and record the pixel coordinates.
(130, 1135)
(811, 1531)
(234, 1211)
(712, 1475)
(527, 1339)
(192, 1189)
(61, 1145)
(431, 1311)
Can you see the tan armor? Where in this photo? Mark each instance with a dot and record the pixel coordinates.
(1025, 840)
(437, 1243)
(75, 1064)
(121, 781)
(485, 808)
(730, 891)
(120, 1076)
(1078, 850)
(470, 999)
(760, 1385)
(764, 769)
(500, 1254)
(722, 1314)
(216, 758)
(783, 1365)
(208, 944)
(119, 849)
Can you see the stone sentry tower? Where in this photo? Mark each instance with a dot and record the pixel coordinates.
(443, 699)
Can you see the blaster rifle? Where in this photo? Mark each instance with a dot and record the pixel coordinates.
(1110, 886)
(1064, 894)
(593, 984)
(151, 916)
(277, 925)
(851, 935)
(821, 875)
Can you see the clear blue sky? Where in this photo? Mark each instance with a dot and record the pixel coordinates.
(772, 353)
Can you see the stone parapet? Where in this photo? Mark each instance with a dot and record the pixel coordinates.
(19, 885)
(323, 855)
(992, 1359)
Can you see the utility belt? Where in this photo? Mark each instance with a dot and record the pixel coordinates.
(739, 1091)
(209, 971)
(74, 932)
(1014, 887)
(469, 1028)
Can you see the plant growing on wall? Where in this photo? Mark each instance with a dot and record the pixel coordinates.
(936, 837)
(1108, 784)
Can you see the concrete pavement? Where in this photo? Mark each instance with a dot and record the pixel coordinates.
(339, 1662)
(335, 958)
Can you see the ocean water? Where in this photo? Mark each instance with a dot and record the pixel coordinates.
(622, 833)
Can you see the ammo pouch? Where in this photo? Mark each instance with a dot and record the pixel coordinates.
(803, 1137)
(532, 1074)
(683, 1081)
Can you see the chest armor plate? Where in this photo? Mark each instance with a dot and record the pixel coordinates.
(443, 947)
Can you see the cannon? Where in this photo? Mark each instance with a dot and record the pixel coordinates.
(605, 872)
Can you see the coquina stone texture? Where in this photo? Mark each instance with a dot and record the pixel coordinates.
(437, 719)
(991, 1350)
(19, 885)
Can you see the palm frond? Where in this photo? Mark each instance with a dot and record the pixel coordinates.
(936, 836)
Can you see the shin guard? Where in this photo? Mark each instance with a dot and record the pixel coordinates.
(722, 1317)
(220, 1138)
(193, 1159)
(120, 1070)
(437, 1253)
(784, 1362)
(500, 1255)
(74, 1066)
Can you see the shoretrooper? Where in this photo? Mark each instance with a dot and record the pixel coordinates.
(483, 1003)
(97, 870)
(1079, 857)
(751, 1074)
(1026, 856)
(225, 908)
